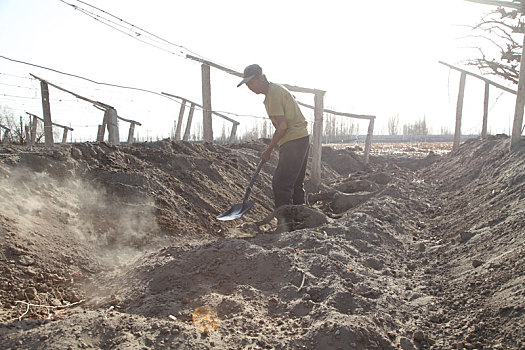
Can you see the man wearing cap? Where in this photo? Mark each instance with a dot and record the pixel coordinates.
(291, 135)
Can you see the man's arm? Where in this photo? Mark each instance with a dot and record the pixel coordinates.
(280, 130)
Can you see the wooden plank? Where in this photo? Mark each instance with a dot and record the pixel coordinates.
(350, 115)
(485, 111)
(315, 174)
(240, 75)
(459, 110)
(103, 105)
(207, 127)
(520, 103)
(55, 124)
(215, 65)
(302, 89)
(48, 124)
(368, 141)
(131, 132)
(179, 123)
(499, 86)
(188, 123)
(128, 120)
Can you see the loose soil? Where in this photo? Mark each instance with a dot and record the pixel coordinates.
(106, 247)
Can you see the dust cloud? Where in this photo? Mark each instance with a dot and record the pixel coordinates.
(40, 204)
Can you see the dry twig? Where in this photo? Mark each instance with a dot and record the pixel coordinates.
(48, 307)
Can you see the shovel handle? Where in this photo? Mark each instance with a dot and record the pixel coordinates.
(254, 176)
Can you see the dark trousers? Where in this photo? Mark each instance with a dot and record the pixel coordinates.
(288, 178)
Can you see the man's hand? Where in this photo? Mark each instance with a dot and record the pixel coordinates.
(265, 156)
(279, 133)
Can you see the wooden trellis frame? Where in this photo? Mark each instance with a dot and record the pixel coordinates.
(110, 116)
(369, 134)
(35, 123)
(110, 120)
(178, 127)
(517, 125)
(461, 94)
(6, 135)
(318, 115)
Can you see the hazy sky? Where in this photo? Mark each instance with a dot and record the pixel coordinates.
(372, 57)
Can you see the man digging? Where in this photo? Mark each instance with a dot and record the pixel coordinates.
(291, 136)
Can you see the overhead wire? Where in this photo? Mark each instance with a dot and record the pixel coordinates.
(136, 30)
(136, 37)
(124, 87)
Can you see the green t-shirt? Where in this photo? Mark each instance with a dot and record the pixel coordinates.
(279, 101)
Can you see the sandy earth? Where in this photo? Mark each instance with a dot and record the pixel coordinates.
(119, 248)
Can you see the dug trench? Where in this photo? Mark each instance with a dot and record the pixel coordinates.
(106, 247)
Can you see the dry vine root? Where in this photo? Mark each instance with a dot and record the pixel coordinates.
(347, 195)
(294, 217)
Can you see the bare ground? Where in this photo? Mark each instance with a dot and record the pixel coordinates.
(116, 248)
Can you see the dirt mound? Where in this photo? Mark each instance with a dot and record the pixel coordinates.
(120, 246)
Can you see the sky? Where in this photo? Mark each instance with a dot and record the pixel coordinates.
(376, 58)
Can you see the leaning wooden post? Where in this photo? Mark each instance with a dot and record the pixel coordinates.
(520, 103)
(64, 136)
(459, 110)
(131, 133)
(368, 142)
(188, 123)
(233, 133)
(207, 127)
(179, 123)
(316, 143)
(48, 124)
(485, 111)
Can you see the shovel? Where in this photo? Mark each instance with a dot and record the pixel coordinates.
(240, 208)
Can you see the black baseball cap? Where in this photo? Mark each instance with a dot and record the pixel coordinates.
(250, 72)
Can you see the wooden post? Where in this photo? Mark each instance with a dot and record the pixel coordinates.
(112, 124)
(179, 124)
(233, 133)
(520, 103)
(6, 140)
(485, 111)
(188, 123)
(48, 124)
(27, 134)
(131, 133)
(459, 110)
(33, 129)
(100, 132)
(64, 136)
(207, 127)
(368, 142)
(315, 176)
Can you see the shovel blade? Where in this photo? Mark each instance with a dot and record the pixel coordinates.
(236, 211)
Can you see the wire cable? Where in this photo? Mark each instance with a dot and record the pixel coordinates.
(123, 87)
(135, 29)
